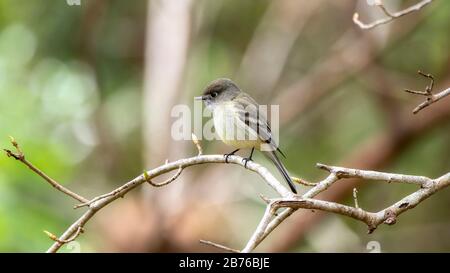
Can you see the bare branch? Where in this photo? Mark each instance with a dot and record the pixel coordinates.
(264, 198)
(288, 201)
(219, 246)
(428, 93)
(101, 201)
(388, 216)
(260, 231)
(389, 16)
(74, 236)
(373, 175)
(20, 156)
(88, 203)
(384, 9)
(168, 181)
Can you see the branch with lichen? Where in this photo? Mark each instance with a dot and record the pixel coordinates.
(389, 15)
(287, 202)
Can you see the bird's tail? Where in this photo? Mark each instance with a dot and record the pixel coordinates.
(273, 156)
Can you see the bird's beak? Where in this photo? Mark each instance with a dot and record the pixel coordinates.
(199, 98)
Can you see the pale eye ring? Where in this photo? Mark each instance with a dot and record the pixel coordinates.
(214, 94)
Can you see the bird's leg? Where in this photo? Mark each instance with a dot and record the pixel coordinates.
(246, 160)
(230, 154)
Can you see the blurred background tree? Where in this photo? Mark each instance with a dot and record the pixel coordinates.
(87, 91)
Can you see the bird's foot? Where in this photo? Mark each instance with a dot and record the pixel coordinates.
(245, 161)
(226, 157)
(230, 154)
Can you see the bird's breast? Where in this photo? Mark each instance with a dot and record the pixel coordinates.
(231, 130)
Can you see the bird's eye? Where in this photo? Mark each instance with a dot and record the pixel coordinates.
(214, 94)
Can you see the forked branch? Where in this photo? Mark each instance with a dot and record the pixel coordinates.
(389, 15)
(288, 202)
(428, 93)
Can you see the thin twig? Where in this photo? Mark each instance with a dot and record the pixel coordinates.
(219, 246)
(390, 16)
(56, 239)
(88, 203)
(117, 191)
(264, 198)
(303, 182)
(355, 197)
(428, 93)
(342, 172)
(168, 181)
(384, 10)
(20, 156)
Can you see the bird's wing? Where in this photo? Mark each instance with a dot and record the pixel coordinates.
(252, 119)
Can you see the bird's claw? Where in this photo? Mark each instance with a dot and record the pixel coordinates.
(230, 154)
(226, 157)
(245, 161)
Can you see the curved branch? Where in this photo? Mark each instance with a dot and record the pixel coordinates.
(20, 156)
(288, 200)
(168, 181)
(101, 201)
(389, 16)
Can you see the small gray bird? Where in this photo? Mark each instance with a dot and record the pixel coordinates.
(240, 123)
